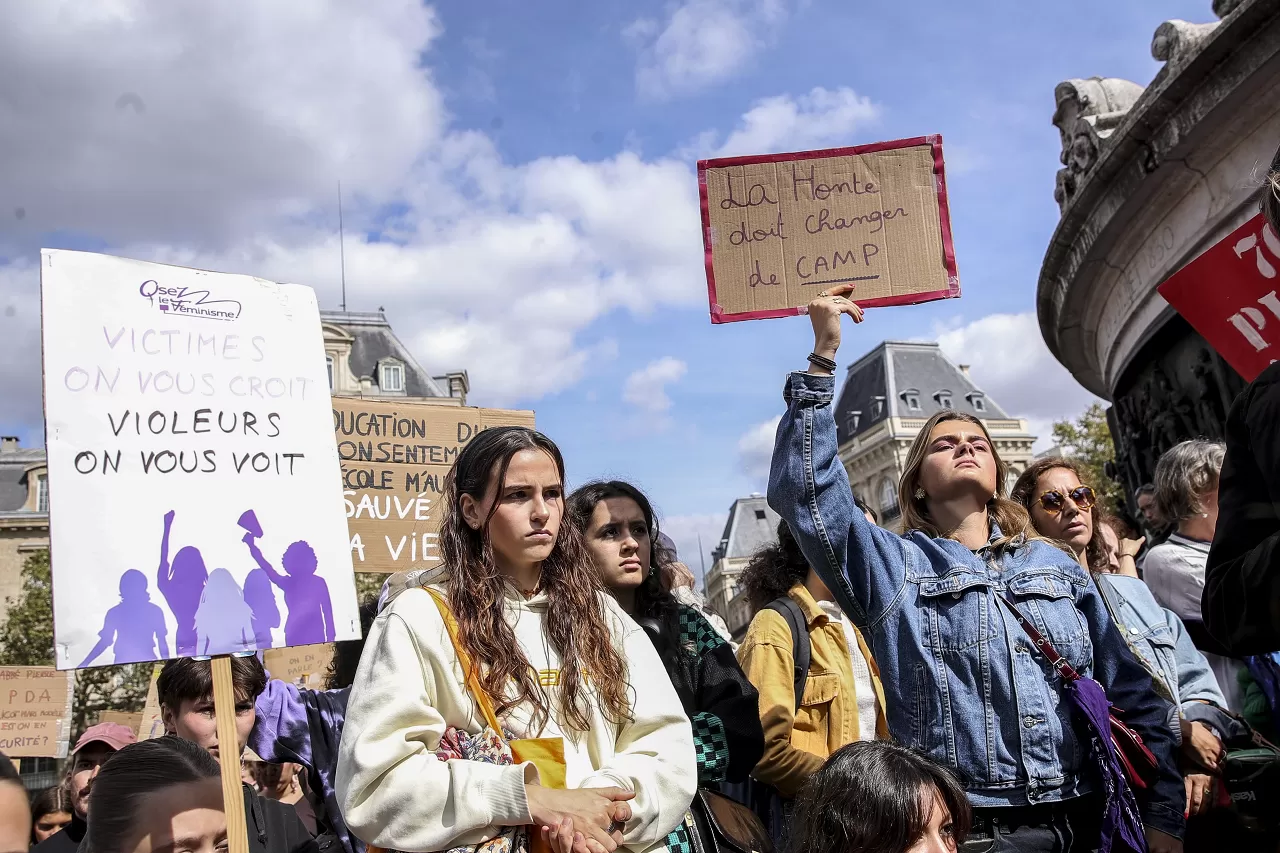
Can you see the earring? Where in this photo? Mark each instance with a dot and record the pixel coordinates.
(919, 493)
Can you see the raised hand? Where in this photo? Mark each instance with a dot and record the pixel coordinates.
(824, 314)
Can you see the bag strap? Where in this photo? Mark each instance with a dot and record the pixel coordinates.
(472, 674)
(802, 647)
(1057, 661)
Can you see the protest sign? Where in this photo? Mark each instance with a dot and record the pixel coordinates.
(302, 666)
(394, 459)
(35, 711)
(190, 454)
(778, 229)
(152, 724)
(1228, 295)
(131, 721)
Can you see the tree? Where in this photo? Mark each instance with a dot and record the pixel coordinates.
(26, 639)
(1087, 441)
(369, 584)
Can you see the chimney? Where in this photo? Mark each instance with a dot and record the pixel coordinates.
(9, 443)
(964, 368)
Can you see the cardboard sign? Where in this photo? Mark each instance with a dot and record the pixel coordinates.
(152, 724)
(303, 666)
(1228, 295)
(779, 229)
(194, 492)
(394, 459)
(122, 718)
(35, 711)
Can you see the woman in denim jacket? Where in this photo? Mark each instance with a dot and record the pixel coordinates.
(1065, 510)
(963, 683)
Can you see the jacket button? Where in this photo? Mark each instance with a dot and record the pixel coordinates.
(955, 595)
(1029, 721)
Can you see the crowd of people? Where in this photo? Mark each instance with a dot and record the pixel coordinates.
(1017, 671)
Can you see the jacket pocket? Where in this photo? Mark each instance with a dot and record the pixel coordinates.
(957, 609)
(1049, 600)
(813, 717)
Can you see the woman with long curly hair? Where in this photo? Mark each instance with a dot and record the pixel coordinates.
(944, 606)
(557, 657)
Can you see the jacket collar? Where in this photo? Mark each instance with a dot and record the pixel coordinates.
(813, 614)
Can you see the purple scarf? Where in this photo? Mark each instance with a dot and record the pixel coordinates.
(1120, 820)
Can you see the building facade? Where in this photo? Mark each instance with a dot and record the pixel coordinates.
(1152, 177)
(366, 359)
(24, 512)
(887, 396)
(751, 525)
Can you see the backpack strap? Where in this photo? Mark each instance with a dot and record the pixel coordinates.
(801, 646)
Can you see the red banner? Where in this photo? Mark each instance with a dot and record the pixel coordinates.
(1228, 295)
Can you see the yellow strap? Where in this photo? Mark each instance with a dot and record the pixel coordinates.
(473, 679)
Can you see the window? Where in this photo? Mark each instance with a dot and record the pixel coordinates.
(877, 407)
(912, 398)
(391, 376)
(328, 361)
(760, 516)
(852, 420)
(943, 399)
(979, 404)
(42, 493)
(888, 498)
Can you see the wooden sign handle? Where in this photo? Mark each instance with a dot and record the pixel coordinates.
(224, 707)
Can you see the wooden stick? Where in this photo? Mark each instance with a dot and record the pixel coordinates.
(224, 707)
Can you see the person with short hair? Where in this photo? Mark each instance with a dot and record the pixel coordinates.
(162, 795)
(185, 689)
(879, 797)
(15, 814)
(50, 812)
(95, 746)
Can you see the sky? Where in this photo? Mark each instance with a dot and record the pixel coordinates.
(519, 189)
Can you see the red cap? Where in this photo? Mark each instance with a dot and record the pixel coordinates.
(113, 735)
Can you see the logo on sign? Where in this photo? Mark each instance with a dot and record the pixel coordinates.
(1250, 321)
(185, 302)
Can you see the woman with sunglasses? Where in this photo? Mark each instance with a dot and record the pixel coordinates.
(963, 682)
(1064, 509)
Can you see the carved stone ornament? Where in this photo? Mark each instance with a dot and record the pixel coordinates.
(1176, 42)
(1087, 113)
(1222, 8)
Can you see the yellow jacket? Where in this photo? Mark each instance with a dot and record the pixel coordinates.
(797, 742)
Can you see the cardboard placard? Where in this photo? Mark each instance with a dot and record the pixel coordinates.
(302, 666)
(394, 459)
(35, 711)
(131, 721)
(194, 492)
(778, 229)
(1228, 295)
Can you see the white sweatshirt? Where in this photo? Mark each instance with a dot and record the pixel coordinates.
(395, 793)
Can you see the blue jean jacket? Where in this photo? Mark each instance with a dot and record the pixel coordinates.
(962, 682)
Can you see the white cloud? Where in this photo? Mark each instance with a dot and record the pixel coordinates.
(646, 388)
(821, 118)
(755, 449)
(1010, 362)
(701, 43)
(688, 530)
(127, 130)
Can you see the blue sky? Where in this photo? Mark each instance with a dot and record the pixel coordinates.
(519, 186)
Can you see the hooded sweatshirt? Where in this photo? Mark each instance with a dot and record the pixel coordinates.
(395, 793)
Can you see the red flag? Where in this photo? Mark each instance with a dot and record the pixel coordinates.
(1229, 295)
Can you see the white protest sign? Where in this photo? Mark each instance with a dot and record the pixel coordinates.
(194, 488)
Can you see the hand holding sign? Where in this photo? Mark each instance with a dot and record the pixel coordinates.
(824, 313)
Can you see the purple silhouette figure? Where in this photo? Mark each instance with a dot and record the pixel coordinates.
(133, 626)
(224, 623)
(260, 595)
(306, 595)
(182, 585)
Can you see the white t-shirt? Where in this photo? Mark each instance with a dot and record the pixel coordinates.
(865, 690)
(1174, 570)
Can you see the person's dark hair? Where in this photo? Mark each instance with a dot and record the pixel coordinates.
(8, 773)
(346, 654)
(1271, 194)
(774, 569)
(575, 624)
(874, 797)
(49, 801)
(1145, 489)
(132, 773)
(1024, 492)
(190, 680)
(866, 508)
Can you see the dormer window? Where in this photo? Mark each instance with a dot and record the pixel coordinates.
(877, 407)
(978, 403)
(328, 362)
(943, 398)
(912, 399)
(852, 420)
(391, 376)
(42, 493)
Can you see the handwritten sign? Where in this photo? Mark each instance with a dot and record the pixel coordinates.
(1228, 295)
(195, 500)
(152, 724)
(303, 666)
(778, 229)
(394, 459)
(35, 711)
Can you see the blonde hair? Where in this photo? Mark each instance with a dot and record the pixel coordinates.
(1012, 518)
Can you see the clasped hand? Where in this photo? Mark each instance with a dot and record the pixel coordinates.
(580, 820)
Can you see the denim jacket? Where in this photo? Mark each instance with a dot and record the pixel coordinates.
(1159, 639)
(962, 682)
